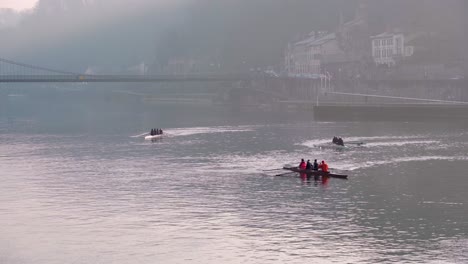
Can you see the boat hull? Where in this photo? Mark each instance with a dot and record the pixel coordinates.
(352, 144)
(317, 173)
(153, 137)
(331, 146)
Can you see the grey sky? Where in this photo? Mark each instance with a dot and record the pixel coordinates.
(17, 4)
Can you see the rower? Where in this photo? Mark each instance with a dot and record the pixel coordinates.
(161, 131)
(308, 165)
(302, 165)
(152, 132)
(334, 140)
(316, 165)
(323, 166)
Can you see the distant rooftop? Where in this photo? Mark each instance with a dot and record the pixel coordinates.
(384, 35)
(323, 40)
(313, 41)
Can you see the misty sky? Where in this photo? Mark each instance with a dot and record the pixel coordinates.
(17, 4)
(238, 34)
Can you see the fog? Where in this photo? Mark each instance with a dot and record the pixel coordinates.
(77, 34)
(243, 90)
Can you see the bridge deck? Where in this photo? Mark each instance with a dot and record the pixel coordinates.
(121, 78)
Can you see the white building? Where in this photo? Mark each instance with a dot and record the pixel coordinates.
(298, 61)
(304, 58)
(387, 48)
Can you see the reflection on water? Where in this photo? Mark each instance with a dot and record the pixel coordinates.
(105, 195)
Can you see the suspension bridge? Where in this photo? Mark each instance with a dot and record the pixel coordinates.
(318, 92)
(17, 72)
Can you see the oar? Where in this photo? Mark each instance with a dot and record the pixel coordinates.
(284, 174)
(272, 170)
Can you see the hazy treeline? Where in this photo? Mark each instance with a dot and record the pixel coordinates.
(236, 34)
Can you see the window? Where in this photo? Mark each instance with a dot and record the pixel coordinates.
(390, 42)
(389, 53)
(399, 44)
(409, 50)
(376, 53)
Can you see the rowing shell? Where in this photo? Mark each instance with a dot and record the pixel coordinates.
(331, 146)
(340, 147)
(317, 173)
(153, 137)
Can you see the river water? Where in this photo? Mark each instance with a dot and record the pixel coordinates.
(79, 184)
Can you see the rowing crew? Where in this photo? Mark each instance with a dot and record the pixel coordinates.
(338, 141)
(156, 131)
(309, 166)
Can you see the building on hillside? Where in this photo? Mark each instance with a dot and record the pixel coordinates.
(303, 58)
(139, 69)
(180, 66)
(388, 48)
(420, 55)
(299, 60)
(341, 54)
(353, 35)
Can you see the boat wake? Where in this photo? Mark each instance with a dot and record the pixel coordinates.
(175, 132)
(401, 143)
(140, 135)
(393, 161)
(375, 138)
(371, 142)
(315, 143)
(205, 130)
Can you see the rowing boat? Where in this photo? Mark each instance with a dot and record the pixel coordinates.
(351, 144)
(316, 173)
(331, 146)
(154, 137)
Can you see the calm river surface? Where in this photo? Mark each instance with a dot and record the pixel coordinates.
(80, 185)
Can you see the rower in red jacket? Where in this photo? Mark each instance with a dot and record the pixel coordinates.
(302, 165)
(324, 166)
